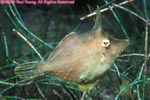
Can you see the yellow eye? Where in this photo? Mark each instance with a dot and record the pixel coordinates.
(105, 43)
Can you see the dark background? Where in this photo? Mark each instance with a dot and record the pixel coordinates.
(51, 23)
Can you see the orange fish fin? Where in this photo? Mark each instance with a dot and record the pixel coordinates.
(68, 39)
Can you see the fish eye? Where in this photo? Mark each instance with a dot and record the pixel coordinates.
(105, 43)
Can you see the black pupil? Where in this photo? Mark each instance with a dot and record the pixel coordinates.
(105, 43)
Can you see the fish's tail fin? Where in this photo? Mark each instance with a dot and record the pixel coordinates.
(28, 70)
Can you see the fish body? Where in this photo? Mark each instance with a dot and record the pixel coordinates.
(79, 58)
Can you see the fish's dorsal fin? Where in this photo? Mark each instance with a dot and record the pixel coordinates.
(70, 38)
(98, 25)
(98, 21)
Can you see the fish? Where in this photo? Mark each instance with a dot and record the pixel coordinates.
(80, 58)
